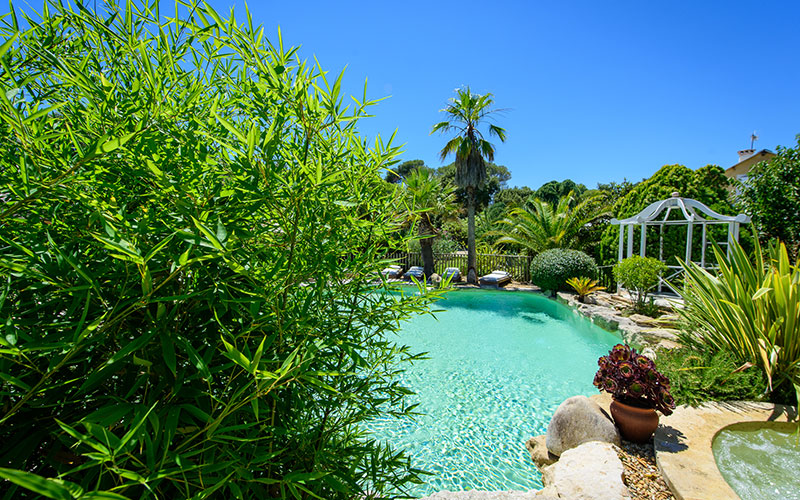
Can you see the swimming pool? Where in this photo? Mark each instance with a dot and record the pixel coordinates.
(500, 364)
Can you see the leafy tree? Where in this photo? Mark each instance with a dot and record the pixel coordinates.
(429, 200)
(189, 226)
(403, 170)
(466, 112)
(771, 196)
(513, 197)
(616, 190)
(707, 184)
(539, 226)
(553, 191)
(496, 178)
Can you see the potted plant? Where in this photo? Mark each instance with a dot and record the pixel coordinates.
(638, 390)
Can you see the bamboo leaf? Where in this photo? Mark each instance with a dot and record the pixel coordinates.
(49, 488)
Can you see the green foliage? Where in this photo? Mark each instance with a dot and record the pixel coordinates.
(554, 191)
(750, 308)
(639, 275)
(771, 196)
(428, 202)
(188, 227)
(403, 170)
(496, 177)
(584, 287)
(539, 226)
(551, 269)
(707, 185)
(616, 190)
(698, 376)
(513, 197)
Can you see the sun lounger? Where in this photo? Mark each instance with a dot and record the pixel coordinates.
(495, 278)
(454, 273)
(416, 272)
(392, 272)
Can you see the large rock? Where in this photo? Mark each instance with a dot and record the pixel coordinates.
(540, 455)
(592, 471)
(579, 420)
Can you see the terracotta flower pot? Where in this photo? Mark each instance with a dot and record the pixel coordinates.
(635, 424)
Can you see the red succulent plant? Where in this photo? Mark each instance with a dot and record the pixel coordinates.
(632, 378)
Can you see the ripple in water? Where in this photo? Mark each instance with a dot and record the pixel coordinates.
(500, 364)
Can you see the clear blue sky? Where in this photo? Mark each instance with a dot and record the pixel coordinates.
(595, 91)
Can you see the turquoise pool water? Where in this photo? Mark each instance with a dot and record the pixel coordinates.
(760, 460)
(500, 364)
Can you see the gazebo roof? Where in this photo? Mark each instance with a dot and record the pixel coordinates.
(691, 210)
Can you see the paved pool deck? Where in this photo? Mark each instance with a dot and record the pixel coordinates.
(683, 444)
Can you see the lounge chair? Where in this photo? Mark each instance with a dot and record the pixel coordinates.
(496, 278)
(454, 273)
(416, 272)
(392, 272)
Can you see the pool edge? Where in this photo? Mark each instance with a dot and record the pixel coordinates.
(683, 444)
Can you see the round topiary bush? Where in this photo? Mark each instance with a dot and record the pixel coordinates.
(551, 269)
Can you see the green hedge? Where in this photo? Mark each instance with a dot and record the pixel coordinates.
(551, 269)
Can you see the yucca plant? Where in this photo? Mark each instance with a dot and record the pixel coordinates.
(584, 287)
(749, 307)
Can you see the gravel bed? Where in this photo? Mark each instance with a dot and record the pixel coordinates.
(642, 476)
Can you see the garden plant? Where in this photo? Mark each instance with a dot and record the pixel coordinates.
(633, 379)
(551, 269)
(639, 275)
(751, 309)
(189, 220)
(584, 287)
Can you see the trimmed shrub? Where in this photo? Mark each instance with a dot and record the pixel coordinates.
(639, 275)
(551, 269)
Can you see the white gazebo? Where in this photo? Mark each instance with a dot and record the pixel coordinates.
(694, 214)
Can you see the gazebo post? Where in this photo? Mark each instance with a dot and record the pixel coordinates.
(703, 252)
(621, 242)
(630, 240)
(643, 239)
(689, 240)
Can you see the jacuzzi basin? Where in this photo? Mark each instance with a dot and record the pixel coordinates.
(760, 460)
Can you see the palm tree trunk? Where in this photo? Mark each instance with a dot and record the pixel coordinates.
(427, 256)
(472, 273)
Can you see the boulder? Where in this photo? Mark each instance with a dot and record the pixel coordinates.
(579, 420)
(591, 471)
(539, 454)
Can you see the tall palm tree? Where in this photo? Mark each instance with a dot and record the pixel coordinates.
(428, 200)
(538, 225)
(465, 113)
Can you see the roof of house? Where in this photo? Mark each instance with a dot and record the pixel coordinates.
(757, 157)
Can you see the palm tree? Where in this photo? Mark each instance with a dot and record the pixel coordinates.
(538, 226)
(428, 199)
(465, 113)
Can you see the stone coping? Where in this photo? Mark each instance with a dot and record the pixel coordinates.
(639, 331)
(683, 444)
